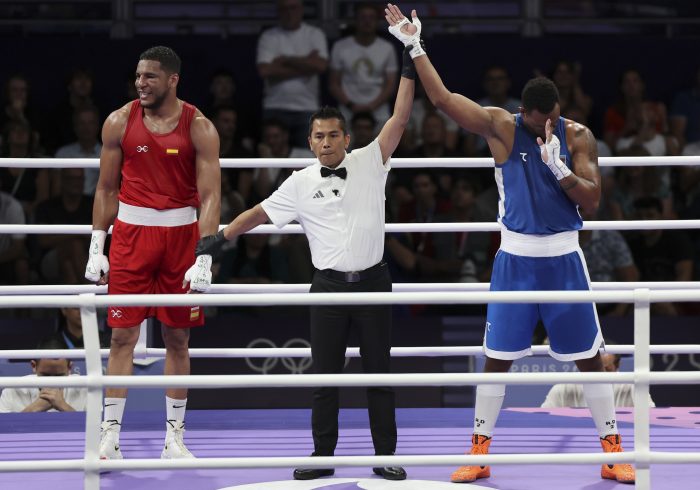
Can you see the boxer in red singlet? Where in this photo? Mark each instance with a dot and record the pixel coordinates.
(159, 164)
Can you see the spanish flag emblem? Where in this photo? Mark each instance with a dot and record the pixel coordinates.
(194, 313)
(171, 151)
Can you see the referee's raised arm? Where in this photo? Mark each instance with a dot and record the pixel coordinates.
(390, 135)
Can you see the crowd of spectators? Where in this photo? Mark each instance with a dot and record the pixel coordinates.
(360, 71)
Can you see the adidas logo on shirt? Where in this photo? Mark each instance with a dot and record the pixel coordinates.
(318, 195)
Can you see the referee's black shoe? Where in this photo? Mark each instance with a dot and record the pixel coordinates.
(390, 472)
(312, 473)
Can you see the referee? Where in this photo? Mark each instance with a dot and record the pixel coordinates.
(339, 202)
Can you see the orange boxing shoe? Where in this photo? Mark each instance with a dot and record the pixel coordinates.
(624, 473)
(467, 474)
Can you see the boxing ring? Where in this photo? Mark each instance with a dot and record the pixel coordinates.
(258, 448)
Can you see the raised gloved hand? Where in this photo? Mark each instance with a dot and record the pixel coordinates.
(97, 265)
(404, 30)
(550, 153)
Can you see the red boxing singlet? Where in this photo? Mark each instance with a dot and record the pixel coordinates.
(158, 170)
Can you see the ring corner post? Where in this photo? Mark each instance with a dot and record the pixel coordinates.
(93, 408)
(642, 336)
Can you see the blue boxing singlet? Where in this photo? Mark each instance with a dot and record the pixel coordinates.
(530, 199)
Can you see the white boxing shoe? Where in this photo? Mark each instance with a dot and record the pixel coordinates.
(174, 447)
(109, 441)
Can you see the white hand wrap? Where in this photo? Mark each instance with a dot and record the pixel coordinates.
(199, 275)
(409, 40)
(97, 264)
(558, 168)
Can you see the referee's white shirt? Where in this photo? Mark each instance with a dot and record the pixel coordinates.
(343, 219)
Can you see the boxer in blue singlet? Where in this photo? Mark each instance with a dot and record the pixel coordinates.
(546, 169)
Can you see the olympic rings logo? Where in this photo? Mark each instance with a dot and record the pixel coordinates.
(295, 365)
(142, 149)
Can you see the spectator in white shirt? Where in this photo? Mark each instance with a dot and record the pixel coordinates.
(364, 70)
(45, 399)
(290, 58)
(571, 395)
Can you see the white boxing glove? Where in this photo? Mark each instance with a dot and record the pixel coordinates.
(551, 152)
(409, 39)
(199, 275)
(97, 264)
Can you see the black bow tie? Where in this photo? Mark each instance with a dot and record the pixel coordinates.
(338, 172)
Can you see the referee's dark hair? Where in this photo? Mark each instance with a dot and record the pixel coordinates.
(327, 112)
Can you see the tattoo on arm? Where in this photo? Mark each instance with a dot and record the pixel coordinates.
(584, 136)
(592, 146)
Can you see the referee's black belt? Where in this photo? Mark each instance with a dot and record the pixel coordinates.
(354, 276)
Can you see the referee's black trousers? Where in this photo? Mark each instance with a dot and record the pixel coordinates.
(330, 326)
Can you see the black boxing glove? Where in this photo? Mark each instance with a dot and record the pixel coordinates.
(408, 68)
(210, 245)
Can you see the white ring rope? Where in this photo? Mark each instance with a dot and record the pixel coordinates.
(670, 224)
(350, 461)
(382, 298)
(395, 162)
(398, 287)
(346, 380)
(305, 352)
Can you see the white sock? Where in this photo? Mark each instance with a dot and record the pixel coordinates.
(489, 399)
(601, 402)
(114, 411)
(175, 409)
